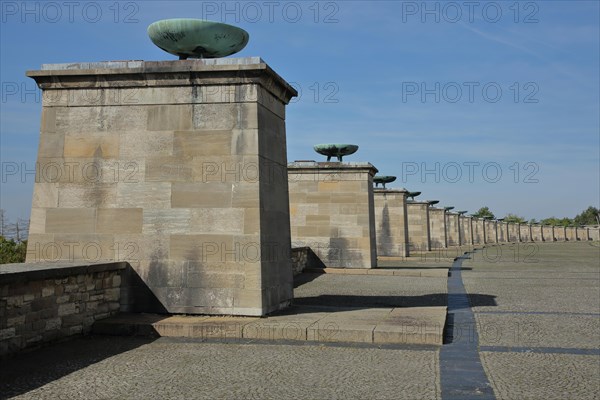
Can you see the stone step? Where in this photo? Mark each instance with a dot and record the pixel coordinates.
(410, 325)
(408, 272)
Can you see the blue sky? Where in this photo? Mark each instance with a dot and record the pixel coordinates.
(432, 92)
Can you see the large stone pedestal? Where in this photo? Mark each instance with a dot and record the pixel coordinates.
(514, 232)
(466, 230)
(571, 233)
(502, 232)
(560, 233)
(478, 231)
(453, 231)
(419, 238)
(391, 222)
(525, 230)
(437, 228)
(332, 212)
(537, 233)
(491, 231)
(179, 168)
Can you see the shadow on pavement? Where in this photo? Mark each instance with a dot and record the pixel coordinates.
(330, 300)
(355, 301)
(29, 370)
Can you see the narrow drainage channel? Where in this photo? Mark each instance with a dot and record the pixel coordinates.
(462, 375)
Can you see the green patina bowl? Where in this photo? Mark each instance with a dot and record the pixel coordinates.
(335, 150)
(433, 202)
(197, 38)
(448, 208)
(413, 194)
(383, 179)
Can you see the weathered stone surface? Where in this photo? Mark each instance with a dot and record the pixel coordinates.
(437, 228)
(391, 223)
(466, 230)
(419, 236)
(171, 166)
(478, 231)
(453, 232)
(525, 233)
(332, 212)
(548, 233)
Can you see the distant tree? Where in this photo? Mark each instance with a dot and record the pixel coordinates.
(12, 251)
(557, 221)
(514, 219)
(484, 212)
(19, 231)
(591, 216)
(3, 222)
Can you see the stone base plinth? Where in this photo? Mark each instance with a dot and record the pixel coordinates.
(391, 223)
(177, 167)
(332, 212)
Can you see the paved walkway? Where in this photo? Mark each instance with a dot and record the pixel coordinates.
(535, 328)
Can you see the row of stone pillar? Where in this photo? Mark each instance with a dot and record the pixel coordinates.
(335, 211)
(180, 169)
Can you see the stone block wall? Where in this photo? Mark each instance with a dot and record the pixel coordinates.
(594, 233)
(300, 256)
(332, 211)
(419, 238)
(391, 223)
(437, 228)
(40, 303)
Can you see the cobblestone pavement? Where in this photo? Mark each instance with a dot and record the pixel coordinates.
(540, 331)
(172, 369)
(537, 323)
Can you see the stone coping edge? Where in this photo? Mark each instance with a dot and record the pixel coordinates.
(312, 166)
(27, 272)
(386, 191)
